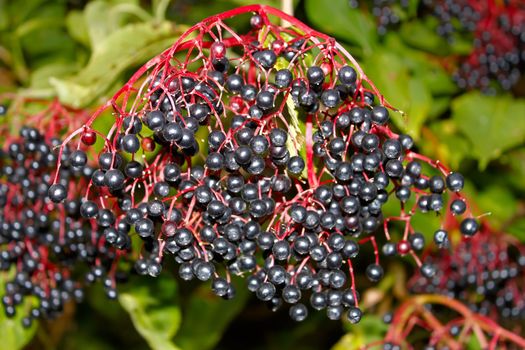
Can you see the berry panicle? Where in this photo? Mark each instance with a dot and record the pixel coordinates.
(46, 246)
(265, 153)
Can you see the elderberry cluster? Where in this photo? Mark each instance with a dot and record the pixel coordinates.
(263, 154)
(499, 43)
(47, 251)
(486, 272)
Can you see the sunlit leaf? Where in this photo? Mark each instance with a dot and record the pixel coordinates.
(401, 88)
(133, 44)
(492, 124)
(206, 316)
(154, 311)
(337, 18)
(13, 335)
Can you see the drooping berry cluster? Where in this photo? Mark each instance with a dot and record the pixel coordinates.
(264, 154)
(487, 272)
(47, 249)
(498, 29)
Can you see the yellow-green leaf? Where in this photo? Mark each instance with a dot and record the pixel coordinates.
(131, 45)
(154, 311)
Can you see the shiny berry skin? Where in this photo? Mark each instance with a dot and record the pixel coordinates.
(374, 272)
(57, 193)
(469, 227)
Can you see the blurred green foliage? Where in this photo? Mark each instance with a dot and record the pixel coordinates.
(82, 51)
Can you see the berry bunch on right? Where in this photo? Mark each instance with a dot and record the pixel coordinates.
(486, 272)
(497, 29)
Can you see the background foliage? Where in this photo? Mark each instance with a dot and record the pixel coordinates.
(82, 51)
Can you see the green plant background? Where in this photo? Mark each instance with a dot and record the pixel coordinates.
(82, 51)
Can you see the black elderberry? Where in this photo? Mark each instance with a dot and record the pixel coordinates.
(130, 143)
(347, 75)
(441, 238)
(389, 249)
(108, 160)
(265, 291)
(172, 132)
(406, 141)
(354, 314)
(234, 83)
(455, 182)
(204, 271)
(248, 92)
(334, 313)
(78, 158)
(89, 209)
(278, 137)
(394, 168)
(469, 227)
(243, 155)
(105, 218)
(417, 241)
(266, 58)
(428, 270)
(403, 193)
(298, 312)
(155, 120)
(198, 111)
(315, 75)
(215, 139)
(295, 165)
(114, 179)
(244, 136)
(458, 206)
(283, 78)
(380, 115)
(370, 142)
(330, 98)
(215, 161)
(57, 193)
(392, 148)
(265, 100)
(259, 145)
(144, 227)
(374, 272)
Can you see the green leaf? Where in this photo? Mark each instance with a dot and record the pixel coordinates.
(499, 200)
(77, 27)
(401, 89)
(517, 229)
(13, 335)
(418, 34)
(99, 24)
(492, 124)
(421, 66)
(413, 5)
(39, 78)
(439, 106)
(515, 163)
(370, 329)
(153, 311)
(337, 18)
(206, 317)
(18, 14)
(129, 46)
(446, 144)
